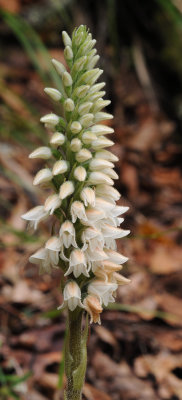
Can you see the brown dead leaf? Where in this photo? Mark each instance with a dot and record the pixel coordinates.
(105, 335)
(165, 259)
(92, 393)
(10, 5)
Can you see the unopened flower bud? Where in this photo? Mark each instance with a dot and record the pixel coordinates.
(75, 145)
(81, 91)
(51, 119)
(99, 177)
(98, 163)
(41, 152)
(68, 53)
(44, 175)
(97, 87)
(80, 173)
(66, 189)
(106, 155)
(101, 129)
(69, 105)
(101, 142)
(88, 137)
(84, 108)
(59, 67)
(57, 139)
(53, 93)
(60, 167)
(75, 127)
(66, 39)
(86, 120)
(101, 116)
(91, 64)
(67, 79)
(83, 155)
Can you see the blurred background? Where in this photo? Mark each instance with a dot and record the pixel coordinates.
(136, 354)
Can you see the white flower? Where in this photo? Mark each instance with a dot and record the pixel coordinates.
(80, 173)
(97, 177)
(113, 232)
(57, 139)
(71, 296)
(78, 211)
(119, 279)
(97, 255)
(51, 119)
(41, 152)
(93, 216)
(75, 145)
(103, 290)
(48, 256)
(75, 127)
(40, 258)
(101, 129)
(104, 269)
(60, 167)
(52, 203)
(107, 192)
(60, 68)
(88, 196)
(42, 176)
(115, 257)
(35, 215)
(119, 210)
(106, 206)
(83, 155)
(53, 93)
(93, 238)
(53, 247)
(67, 234)
(66, 189)
(77, 264)
(93, 307)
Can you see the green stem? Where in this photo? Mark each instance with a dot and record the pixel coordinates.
(75, 356)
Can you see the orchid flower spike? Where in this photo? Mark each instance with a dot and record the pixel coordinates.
(80, 175)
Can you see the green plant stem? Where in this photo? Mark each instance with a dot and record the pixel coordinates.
(75, 356)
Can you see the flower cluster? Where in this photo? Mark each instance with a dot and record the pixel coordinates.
(82, 177)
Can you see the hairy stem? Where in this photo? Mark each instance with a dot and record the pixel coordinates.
(75, 356)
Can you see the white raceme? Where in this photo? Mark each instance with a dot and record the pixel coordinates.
(80, 174)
